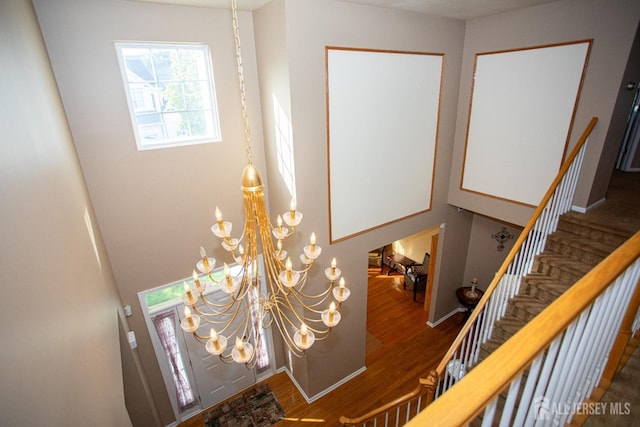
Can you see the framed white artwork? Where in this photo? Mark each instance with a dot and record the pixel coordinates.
(382, 112)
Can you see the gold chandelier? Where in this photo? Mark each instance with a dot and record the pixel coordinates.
(301, 317)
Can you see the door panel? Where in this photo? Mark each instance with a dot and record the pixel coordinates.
(215, 380)
(210, 379)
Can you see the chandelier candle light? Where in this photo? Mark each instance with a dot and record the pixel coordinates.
(301, 317)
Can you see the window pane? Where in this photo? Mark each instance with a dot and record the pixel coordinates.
(192, 65)
(175, 291)
(164, 63)
(173, 80)
(193, 98)
(173, 95)
(197, 122)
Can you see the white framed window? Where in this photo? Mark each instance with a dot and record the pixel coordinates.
(170, 92)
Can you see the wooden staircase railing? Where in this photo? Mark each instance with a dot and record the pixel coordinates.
(549, 370)
(463, 353)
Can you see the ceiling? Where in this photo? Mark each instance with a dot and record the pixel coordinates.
(459, 9)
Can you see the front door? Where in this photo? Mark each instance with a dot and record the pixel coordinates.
(215, 380)
(210, 379)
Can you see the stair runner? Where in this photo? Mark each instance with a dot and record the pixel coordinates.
(578, 245)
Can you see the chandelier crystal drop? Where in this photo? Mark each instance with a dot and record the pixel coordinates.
(236, 320)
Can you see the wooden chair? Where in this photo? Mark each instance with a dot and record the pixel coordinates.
(416, 276)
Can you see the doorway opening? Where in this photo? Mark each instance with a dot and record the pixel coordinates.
(398, 291)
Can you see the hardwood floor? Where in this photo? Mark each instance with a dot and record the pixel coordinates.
(400, 349)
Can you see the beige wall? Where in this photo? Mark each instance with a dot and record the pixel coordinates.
(483, 257)
(155, 208)
(272, 59)
(621, 113)
(453, 241)
(611, 25)
(310, 26)
(60, 352)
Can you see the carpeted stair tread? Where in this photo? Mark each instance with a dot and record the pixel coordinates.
(549, 292)
(579, 247)
(489, 347)
(543, 287)
(525, 307)
(587, 226)
(561, 267)
(535, 279)
(506, 327)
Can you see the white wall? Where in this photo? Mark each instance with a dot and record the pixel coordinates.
(59, 308)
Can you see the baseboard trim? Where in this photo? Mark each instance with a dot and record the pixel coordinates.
(325, 391)
(442, 319)
(580, 209)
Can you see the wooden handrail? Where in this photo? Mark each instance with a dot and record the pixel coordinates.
(488, 379)
(428, 383)
(516, 247)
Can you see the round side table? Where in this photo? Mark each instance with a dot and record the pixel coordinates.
(469, 298)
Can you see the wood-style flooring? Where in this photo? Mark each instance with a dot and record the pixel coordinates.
(400, 349)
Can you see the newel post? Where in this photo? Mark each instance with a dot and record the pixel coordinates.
(430, 384)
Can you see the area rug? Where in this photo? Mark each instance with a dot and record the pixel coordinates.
(257, 407)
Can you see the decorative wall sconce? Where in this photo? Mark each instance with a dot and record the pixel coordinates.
(502, 236)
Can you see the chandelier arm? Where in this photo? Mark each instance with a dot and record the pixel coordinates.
(210, 316)
(284, 331)
(207, 314)
(300, 298)
(243, 290)
(307, 321)
(322, 336)
(212, 279)
(268, 318)
(288, 341)
(201, 338)
(298, 291)
(214, 305)
(226, 358)
(307, 268)
(301, 318)
(224, 308)
(230, 320)
(247, 320)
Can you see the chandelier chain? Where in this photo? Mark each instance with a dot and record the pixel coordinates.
(243, 96)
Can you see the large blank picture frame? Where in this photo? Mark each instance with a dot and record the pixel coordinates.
(382, 114)
(522, 107)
